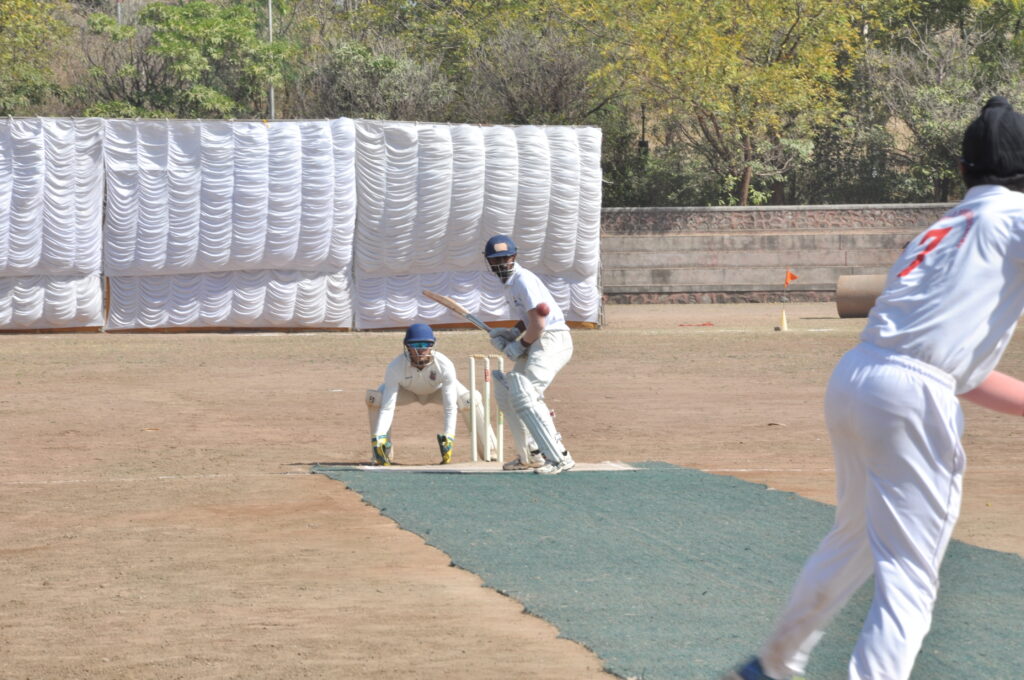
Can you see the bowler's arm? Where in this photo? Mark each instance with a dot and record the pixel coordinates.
(999, 392)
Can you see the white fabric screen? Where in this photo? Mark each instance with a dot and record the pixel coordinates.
(243, 299)
(430, 195)
(51, 197)
(229, 223)
(334, 224)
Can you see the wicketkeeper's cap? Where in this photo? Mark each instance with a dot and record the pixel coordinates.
(499, 246)
(419, 332)
(993, 143)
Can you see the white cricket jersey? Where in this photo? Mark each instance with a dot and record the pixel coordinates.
(955, 294)
(439, 374)
(524, 291)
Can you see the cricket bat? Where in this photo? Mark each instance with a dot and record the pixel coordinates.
(457, 308)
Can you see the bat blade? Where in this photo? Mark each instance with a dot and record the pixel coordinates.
(447, 302)
(457, 308)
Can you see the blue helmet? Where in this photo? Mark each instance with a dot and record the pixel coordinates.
(500, 253)
(419, 345)
(419, 332)
(499, 246)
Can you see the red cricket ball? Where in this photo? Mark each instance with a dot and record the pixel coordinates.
(543, 309)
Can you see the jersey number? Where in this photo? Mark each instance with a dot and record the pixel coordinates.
(933, 237)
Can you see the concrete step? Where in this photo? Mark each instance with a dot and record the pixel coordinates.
(837, 218)
(612, 243)
(793, 259)
(699, 279)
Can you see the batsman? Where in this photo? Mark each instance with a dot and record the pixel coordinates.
(420, 374)
(540, 345)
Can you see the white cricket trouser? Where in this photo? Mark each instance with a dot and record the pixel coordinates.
(895, 425)
(485, 437)
(546, 357)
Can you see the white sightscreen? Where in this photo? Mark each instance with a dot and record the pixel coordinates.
(229, 223)
(333, 224)
(51, 197)
(430, 195)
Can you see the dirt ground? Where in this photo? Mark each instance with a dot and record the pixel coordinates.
(159, 520)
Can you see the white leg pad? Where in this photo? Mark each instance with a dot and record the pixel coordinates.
(373, 399)
(522, 440)
(534, 413)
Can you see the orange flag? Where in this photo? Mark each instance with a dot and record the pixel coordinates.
(790, 276)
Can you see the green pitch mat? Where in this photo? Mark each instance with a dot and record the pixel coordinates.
(666, 572)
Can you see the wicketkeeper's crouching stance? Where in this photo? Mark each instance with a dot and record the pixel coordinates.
(545, 346)
(419, 374)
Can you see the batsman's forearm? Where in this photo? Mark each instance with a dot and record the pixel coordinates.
(534, 327)
(999, 392)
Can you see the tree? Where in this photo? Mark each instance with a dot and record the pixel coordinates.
(533, 70)
(748, 81)
(30, 31)
(932, 83)
(360, 81)
(195, 59)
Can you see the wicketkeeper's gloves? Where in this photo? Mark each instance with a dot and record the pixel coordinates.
(445, 443)
(381, 449)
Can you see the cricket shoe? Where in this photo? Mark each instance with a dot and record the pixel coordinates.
(751, 671)
(535, 461)
(382, 457)
(555, 468)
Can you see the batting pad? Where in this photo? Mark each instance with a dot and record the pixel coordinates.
(673, 573)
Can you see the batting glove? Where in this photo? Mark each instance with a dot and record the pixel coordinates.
(499, 342)
(381, 449)
(509, 334)
(446, 444)
(514, 350)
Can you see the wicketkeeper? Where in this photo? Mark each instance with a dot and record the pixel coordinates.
(420, 374)
(540, 345)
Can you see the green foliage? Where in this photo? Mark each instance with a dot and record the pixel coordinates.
(359, 82)
(534, 70)
(762, 101)
(743, 78)
(931, 85)
(194, 59)
(30, 31)
(447, 30)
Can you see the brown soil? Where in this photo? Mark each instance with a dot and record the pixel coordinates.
(159, 521)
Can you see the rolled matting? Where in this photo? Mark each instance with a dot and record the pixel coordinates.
(856, 294)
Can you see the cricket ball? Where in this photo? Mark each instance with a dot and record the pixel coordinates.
(543, 309)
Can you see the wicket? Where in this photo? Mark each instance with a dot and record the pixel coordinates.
(500, 425)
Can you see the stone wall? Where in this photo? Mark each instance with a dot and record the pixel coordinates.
(694, 255)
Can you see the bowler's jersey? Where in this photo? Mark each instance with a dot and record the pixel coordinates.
(524, 291)
(438, 375)
(954, 296)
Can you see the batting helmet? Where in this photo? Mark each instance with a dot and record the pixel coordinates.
(499, 246)
(419, 332)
